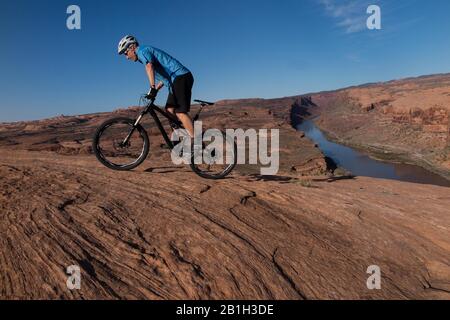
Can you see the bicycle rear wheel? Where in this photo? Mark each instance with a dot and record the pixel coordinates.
(120, 145)
(215, 159)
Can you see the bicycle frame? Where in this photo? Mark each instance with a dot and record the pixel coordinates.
(152, 109)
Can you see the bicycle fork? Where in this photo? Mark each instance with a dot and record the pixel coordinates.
(136, 123)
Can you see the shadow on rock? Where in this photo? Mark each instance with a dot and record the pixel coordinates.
(258, 177)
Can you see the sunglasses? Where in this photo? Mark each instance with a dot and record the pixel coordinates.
(126, 51)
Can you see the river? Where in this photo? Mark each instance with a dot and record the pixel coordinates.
(360, 164)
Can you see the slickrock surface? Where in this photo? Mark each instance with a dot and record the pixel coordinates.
(161, 232)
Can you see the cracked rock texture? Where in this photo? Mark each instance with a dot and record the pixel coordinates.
(161, 232)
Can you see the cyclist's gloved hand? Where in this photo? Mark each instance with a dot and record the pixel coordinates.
(152, 94)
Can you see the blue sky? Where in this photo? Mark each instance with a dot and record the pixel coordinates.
(235, 49)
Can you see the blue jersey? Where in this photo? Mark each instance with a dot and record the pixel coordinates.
(165, 66)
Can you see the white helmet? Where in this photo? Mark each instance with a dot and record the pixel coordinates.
(125, 42)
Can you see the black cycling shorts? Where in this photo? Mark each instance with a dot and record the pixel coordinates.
(180, 97)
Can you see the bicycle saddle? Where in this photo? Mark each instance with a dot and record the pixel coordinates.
(206, 103)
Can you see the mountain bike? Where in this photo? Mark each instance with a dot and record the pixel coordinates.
(123, 144)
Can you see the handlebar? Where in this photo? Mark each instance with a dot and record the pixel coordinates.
(157, 88)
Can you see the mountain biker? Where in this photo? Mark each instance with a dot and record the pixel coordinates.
(168, 71)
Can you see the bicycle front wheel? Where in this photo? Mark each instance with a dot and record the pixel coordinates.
(120, 145)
